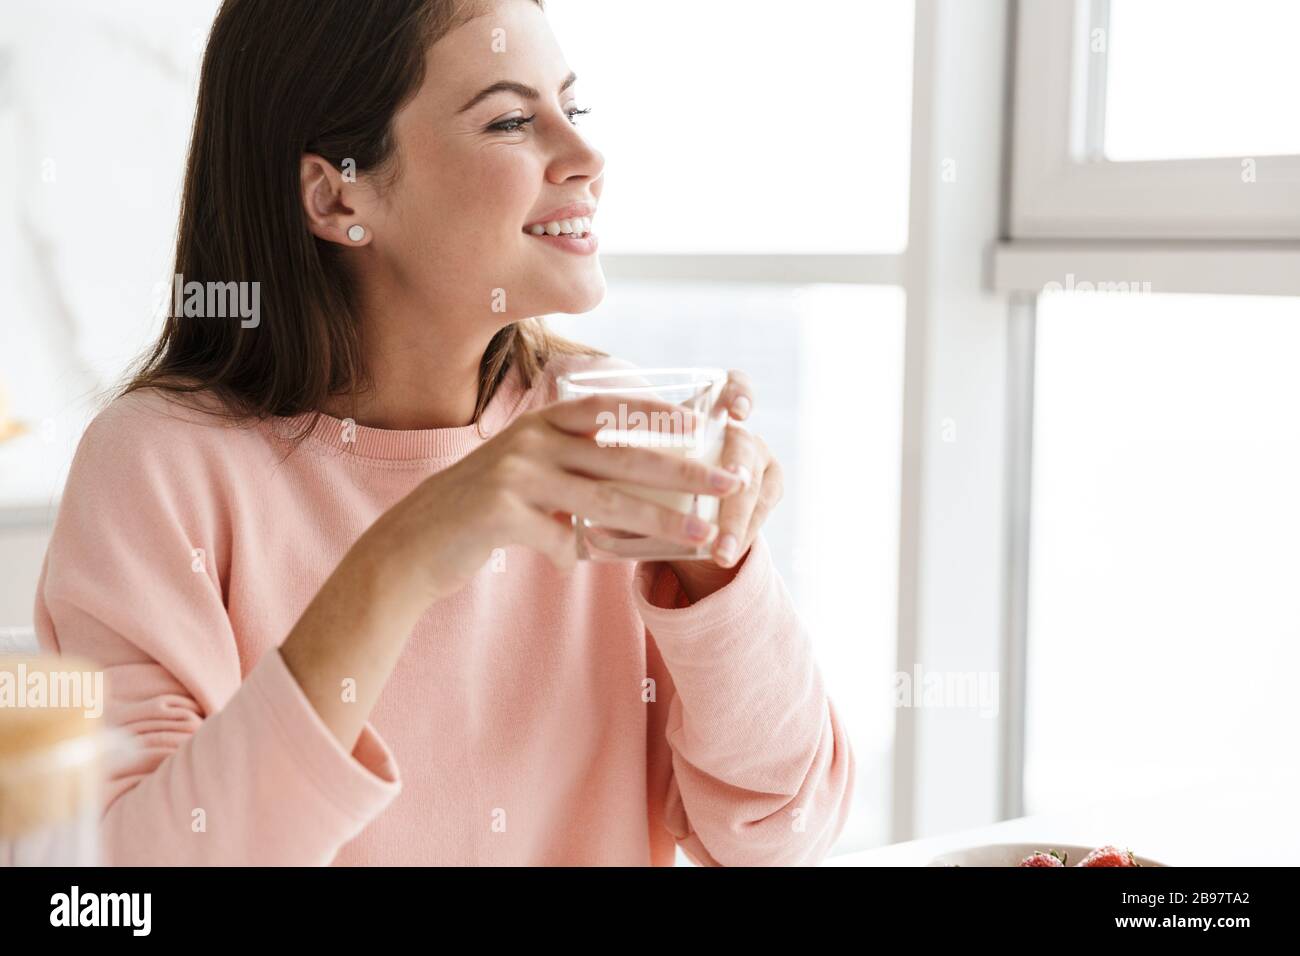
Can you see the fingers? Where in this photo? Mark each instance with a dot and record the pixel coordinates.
(587, 416)
(581, 476)
(737, 395)
(772, 487)
(742, 456)
(608, 505)
(547, 534)
(644, 466)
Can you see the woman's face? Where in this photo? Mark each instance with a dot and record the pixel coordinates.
(451, 230)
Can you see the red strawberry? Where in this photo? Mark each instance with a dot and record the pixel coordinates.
(1108, 856)
(1044, 859)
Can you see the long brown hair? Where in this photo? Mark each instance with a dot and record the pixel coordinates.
(280, 78)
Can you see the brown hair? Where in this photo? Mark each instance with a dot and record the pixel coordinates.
(280, 78)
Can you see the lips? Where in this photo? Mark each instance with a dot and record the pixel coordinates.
(581, 241)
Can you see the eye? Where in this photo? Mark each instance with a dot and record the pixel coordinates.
(516, 123)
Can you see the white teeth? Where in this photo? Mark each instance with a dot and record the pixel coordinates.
(563, 227)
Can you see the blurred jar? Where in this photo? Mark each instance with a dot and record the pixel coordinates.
(53, 746)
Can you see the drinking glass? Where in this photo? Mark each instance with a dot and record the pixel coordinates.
(696, 432)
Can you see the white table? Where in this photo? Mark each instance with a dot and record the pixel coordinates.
(1244, 822)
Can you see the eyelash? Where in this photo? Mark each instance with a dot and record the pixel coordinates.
(521, 121)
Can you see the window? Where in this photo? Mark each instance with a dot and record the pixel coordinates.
(1163, 610)
(1156, 149)
(1194, 78)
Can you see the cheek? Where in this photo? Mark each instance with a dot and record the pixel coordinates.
(495, 203)
(464, 206)
(498, 189)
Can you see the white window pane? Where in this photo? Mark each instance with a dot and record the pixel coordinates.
(1164, 626)
(1202, 78)
(827, 367)
(746, 125)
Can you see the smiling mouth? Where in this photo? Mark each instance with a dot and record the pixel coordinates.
(576, 228)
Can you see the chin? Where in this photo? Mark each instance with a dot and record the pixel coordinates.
(582, 296)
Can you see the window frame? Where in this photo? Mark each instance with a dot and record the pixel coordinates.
(1064, 187)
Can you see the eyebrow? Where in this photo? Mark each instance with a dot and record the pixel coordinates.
(510, 86)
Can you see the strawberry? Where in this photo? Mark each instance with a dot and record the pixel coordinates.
(1044, 859)
(1108, 856)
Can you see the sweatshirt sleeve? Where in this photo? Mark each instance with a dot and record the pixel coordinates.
(749, 763)
(223, 769)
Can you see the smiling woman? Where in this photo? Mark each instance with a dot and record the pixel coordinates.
(282, 631)
(274, 163)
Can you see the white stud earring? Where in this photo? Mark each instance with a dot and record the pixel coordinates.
(356, 232)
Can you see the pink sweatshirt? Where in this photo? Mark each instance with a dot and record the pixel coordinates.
(514, 729)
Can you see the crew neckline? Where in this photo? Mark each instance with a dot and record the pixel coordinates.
(338, 435)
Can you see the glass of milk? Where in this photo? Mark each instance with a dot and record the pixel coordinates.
(696, 432)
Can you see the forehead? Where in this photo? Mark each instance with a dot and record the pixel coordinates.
(509, 40)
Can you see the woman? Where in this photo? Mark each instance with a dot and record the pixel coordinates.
(329, 541)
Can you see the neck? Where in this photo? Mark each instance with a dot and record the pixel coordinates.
(425, 374)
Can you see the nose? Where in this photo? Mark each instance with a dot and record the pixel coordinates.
(574, 157)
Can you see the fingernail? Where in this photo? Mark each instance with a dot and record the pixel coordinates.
(727, 548)
(722, 480)
(740, 407)
(697, 527)
(741, 472)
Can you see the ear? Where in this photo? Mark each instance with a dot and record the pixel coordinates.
(332, 204)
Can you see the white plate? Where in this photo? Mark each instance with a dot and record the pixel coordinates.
(1010, 854)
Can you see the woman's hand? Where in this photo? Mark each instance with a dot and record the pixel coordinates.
(522, 486)
(741, 515)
